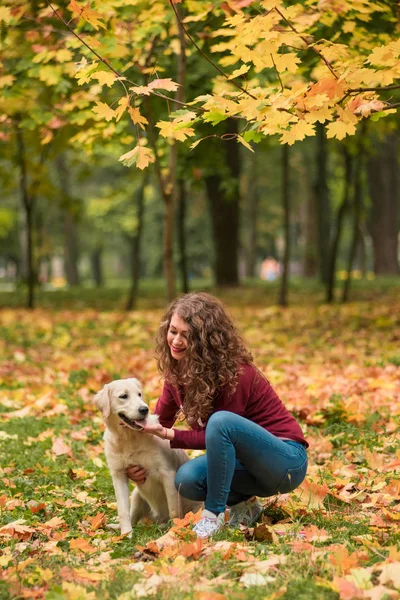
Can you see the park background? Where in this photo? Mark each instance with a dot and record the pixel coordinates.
(284, 205)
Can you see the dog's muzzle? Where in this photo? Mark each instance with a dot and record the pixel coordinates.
(129, 422)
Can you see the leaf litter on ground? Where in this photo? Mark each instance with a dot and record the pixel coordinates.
(337, 536)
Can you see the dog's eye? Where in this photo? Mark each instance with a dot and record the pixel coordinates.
(124, 396)
(140, 393)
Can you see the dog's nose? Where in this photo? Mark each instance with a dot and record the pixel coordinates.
(143, 411)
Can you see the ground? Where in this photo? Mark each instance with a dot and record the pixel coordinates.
(336, 368)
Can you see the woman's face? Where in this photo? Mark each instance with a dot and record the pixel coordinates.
(177, 337)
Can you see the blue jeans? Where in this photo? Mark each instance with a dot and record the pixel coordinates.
(242, 460)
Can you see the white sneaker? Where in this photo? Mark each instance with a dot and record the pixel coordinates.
(209, 524)
(245, 513)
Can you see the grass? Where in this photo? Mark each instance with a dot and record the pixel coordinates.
(255, 292)
(336, 368)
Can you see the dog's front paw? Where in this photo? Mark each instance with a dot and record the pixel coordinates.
(127, 532)
(113, 526)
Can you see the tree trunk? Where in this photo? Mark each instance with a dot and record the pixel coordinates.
(224, 209)
(383, 178)
(321, 191)
(97, 266)
(310, 264)
(71, 243)
(136, 245)
(283, 291)
(181, 208)
(252, 198)
(357, 208)
(343, 208)
(28, 206)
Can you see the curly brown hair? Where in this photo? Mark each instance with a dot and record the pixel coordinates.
(213, 356)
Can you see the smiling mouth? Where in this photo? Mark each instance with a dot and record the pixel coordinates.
(129, 422)
(178, 350)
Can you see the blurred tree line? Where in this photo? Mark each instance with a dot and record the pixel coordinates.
(71, 211)
(90, 212)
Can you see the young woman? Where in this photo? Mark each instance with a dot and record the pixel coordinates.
(254, 446)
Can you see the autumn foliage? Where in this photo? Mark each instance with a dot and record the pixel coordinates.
(280, 67)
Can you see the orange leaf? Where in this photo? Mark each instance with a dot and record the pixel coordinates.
(312, 495)
(97, 521)
(83, 574)
(60, 447)
(82, 545)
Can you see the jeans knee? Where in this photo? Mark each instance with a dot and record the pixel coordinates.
(218, 420)
(219, 423)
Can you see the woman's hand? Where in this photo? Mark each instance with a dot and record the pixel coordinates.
(153, 428)
(137, 474)
(158, 430)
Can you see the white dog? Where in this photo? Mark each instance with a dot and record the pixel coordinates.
(157, 497)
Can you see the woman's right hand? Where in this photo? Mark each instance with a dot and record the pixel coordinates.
(137, 474)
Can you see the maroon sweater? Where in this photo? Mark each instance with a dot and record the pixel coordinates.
(253, 399)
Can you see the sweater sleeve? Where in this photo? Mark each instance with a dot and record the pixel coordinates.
(189, 439)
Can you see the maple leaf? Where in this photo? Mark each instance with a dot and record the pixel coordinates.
(82, 545)
(297, 132)
(137, 118)
(338, 129)
(96, 521)
(367, 108)
(140, 155)
(168, 129)
(238, 72)
(104, 77)
(287, 62)
(123, 104)
(163, 84)
(246, 144)
(60, 447)
(87, 14)
(104, 111)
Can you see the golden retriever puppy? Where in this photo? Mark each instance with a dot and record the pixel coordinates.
(157, 497)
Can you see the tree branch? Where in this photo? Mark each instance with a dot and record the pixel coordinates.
(205, 55)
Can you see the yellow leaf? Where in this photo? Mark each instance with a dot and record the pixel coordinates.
(104, 111)
(123, 103)
(384, 56)
(321, 115)
(287, 62)
(297, 132)
(5, 14)
(246, 144)
(168, 129)
(137, 118)
(71, 591)
(140, 155)
(63, 55)
(104, 77)
(6, 80)
(243, 69)
(339, 129)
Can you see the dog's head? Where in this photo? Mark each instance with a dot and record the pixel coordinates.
(123, 398)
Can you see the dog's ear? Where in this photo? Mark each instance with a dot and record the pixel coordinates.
(103, 401)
